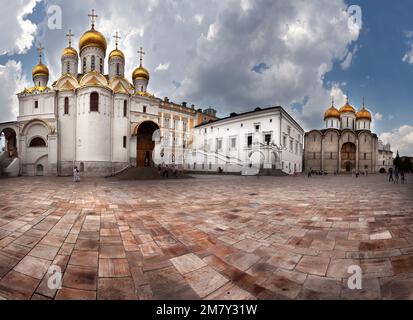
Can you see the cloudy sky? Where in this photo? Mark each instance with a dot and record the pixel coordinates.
(235, 55)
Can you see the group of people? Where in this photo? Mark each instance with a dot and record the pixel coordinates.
(394, 176)
(165, 170)
(356, 174)
(316, 172)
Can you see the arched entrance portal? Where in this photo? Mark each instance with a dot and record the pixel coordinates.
(348, 156)
(145, 144)
(9, 135)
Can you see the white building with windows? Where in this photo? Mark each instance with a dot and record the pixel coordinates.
(94, 118)
(263, 139)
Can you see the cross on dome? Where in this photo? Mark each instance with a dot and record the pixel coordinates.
(117, 37)
(141, 53)
(40, 50)
(69, 37)
(93, 17)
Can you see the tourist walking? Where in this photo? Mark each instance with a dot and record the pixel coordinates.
(391, 175)
(396, 176)
(402, 177)
(76, 175)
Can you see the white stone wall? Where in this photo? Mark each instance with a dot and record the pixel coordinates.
(93, 129)
(67, 123)
(46, 102)
(121, 128)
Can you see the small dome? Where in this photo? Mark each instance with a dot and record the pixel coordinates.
(363, 113)
(331, 112)
(92, 38)
(140, 73)
(116, 53)
(69, 51)
(40, 70)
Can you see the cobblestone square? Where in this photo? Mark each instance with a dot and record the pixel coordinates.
(212, 237)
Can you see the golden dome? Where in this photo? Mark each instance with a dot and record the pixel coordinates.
(40, 70)
(92, 38)
(347, 108)
(140, 73)
(117, 53)
(363, 113)
(331, 112)
(69, 51)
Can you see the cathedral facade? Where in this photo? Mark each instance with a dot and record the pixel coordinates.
(100, 122)
(346, 144)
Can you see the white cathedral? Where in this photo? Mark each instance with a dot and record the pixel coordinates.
(103, 123)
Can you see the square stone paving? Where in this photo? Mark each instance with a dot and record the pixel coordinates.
(212, 237)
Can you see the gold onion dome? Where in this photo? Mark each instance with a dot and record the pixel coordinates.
(347, 108)
(116, 53)
(40, 70)
(69, 51)
(140, 73)
(92, 38)
(363, 113)
(332, 112)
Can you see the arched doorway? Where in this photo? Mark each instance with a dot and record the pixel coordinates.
(348, 156)
(10, 143)
(145, 144)
(39, 170)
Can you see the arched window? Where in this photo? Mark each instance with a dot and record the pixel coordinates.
(117, 69)
(84, 65)
(66, 108)
(125, 108)
(93, 62)
(101, 65)
(94, 102)
(37, 142)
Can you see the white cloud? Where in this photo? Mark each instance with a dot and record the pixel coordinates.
(378, 116)
(17, 32)
(162, 67)
(408, 56)
(298, 40)
(212, 32)
(401, 139)
(12, 81)
(199, 18)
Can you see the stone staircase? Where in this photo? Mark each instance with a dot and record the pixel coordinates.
(3, 165)
(272, 172)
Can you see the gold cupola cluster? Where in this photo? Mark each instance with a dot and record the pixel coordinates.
(332, 112)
